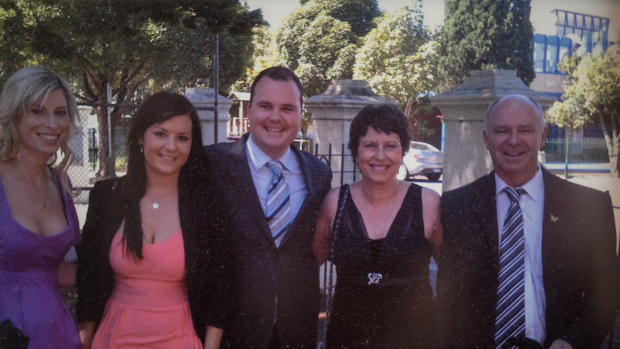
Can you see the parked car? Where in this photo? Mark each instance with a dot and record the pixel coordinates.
(422, 159)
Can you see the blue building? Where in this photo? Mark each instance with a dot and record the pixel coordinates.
(576, 34)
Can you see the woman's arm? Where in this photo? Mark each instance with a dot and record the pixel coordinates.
(323, 237)
(87, 332)
(213, 337)
(66, 274)
(432, 219)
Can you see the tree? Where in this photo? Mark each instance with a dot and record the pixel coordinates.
(321, 38)
(398, 59)
(485, 34)
(592, 94)
(264, 56)
(326, 52)
(128, 44)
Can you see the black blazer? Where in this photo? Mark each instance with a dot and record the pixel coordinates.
(204, 273)
(268, 281)
(580, 267)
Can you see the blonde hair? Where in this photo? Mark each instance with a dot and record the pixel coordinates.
(20, 92)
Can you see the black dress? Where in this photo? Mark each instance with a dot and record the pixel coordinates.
(383, 296)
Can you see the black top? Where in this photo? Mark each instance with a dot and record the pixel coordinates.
(383, 297)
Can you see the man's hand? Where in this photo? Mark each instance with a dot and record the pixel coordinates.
(560, 344)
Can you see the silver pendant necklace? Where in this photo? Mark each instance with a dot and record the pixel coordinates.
(157, 203)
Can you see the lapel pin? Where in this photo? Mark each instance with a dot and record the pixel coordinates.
(554, 218)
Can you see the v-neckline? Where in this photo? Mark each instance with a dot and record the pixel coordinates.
(18, 224)
(364, 231)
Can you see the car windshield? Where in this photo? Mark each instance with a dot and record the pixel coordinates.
(423, 146)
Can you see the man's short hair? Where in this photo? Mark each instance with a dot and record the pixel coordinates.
(278, 74)
(543, 122)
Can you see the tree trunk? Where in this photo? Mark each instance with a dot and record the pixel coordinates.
(612, 141)
(613, 156)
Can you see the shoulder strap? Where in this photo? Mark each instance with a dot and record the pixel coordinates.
(342, 200)
(329, 266)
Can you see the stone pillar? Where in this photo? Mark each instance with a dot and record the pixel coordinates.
(332, 112)
(464, 108)
(205, 97)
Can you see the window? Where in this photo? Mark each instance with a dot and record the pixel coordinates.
(592, 30)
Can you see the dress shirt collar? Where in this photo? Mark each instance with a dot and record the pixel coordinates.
(533, 187)
(258, 158)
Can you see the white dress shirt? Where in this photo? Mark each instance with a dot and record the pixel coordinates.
(261, 175)
(532, 204)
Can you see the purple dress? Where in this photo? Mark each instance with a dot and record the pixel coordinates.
(29, 295)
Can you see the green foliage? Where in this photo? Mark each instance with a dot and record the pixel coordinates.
(128, 44)
(398, 58)
(262, 58)
(592, 94)
(485, 34)
(319, 40)
(120, 164)
(326, 52)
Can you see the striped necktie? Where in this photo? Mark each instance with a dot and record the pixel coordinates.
(278, 206)
(510, 318)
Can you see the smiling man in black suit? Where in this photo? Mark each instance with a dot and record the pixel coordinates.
(528, 259)
(271, 193)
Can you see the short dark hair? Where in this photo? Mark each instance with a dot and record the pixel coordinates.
(386, 118)
(279, 74)
(156, 109)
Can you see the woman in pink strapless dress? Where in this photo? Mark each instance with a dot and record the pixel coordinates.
(150, 275)
(149, 298)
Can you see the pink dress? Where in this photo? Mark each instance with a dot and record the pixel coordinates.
(149, 306)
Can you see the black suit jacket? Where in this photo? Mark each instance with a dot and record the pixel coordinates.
(268, 282)
(580, 267)
(205, 278)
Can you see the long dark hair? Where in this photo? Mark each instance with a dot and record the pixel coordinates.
(156, 109)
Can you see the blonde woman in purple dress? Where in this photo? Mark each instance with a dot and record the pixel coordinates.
(38, 223)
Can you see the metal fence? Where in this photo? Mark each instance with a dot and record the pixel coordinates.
(576, 157)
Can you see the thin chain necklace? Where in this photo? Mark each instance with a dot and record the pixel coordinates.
(157, 203)
(47, 187)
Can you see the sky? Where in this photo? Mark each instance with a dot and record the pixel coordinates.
(275, 11)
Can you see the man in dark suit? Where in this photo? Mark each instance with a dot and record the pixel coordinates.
(271, 192)
(528, 257)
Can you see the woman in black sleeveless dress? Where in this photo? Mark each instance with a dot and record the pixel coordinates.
(387, 232)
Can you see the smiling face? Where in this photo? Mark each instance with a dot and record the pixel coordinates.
(43, 128)
(379, 156)
(513, 138)
(275, 115)
(166, 146)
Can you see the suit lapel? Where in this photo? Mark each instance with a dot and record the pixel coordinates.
(311, 195)
(552, 214)
(485, 209)
(241, 180)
